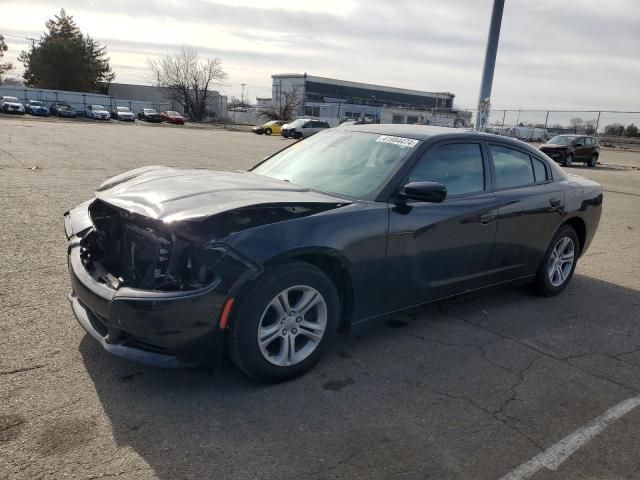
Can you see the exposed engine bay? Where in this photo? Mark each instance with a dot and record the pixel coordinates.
(128, 249)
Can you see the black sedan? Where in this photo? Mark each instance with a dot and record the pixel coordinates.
(149, 115)
(62, 109)
(170, 267)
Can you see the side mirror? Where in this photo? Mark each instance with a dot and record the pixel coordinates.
(432, 192)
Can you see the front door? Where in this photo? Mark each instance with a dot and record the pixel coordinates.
(440, 249)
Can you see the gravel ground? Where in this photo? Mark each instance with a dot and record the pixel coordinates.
(469, 388)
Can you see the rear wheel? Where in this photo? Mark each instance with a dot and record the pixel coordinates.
(568, 160)
(559, 263)
(593, 161)
(283, 324)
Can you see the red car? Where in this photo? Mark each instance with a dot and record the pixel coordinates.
(172, 117)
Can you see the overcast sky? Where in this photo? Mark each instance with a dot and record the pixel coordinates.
(582, 54)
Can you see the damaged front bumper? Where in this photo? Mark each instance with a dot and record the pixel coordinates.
(165, 329)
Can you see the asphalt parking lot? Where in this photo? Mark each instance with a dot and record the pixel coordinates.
(470, 388)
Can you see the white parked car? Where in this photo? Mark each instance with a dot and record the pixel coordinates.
(11, 105)
(303, 127)
(97, 112)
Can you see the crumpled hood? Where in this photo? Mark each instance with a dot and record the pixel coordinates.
(170, 194)
(13, 104)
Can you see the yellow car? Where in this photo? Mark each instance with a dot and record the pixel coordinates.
(273, 127)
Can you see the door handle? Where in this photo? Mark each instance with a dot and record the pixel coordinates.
(487, 218)
(555, 202)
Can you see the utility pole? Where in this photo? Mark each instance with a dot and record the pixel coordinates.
(242, 102)
(484, 102)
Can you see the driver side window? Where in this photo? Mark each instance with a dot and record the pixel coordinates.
(459, 167)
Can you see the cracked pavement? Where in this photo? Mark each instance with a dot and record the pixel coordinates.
(470, 387)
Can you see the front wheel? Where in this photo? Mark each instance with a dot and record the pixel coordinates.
(298, 135)
(568, 160)
(559, 263)
(268, 131)
(284, 323)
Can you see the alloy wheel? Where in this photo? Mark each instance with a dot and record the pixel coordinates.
(292, 325)
(568, 161)
(561, 261)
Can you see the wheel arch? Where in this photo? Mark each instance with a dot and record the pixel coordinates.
(580, 227)
(332, 264)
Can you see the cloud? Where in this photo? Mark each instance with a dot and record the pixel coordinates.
(573, 54)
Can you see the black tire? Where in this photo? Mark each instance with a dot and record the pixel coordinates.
(298, 135)
(568, 160)
(543, 283)
(243, 332)
(268, 131)
(593, 161)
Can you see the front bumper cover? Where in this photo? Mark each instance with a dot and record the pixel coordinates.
(163, 329)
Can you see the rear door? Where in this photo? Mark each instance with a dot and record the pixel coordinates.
(589, 147)
(531, 207)
(582, 150)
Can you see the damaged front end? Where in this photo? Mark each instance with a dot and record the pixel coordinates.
(153, 291)
(147, 254)
(148, 291)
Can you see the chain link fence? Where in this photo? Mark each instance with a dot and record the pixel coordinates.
(619, 128)
(78, 100)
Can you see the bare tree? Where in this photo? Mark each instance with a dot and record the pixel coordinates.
(284, 107)
(188, 79)
(4, 67)
(576, 123)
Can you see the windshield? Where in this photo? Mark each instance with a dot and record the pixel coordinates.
(97, 107)
(123, 109)
(297, 123)
(172, 114)
(36, 103)
(9, 99)
(353, 164)
(562, 140)
(149, 110)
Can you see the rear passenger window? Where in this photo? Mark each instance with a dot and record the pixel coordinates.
(512, 168)
(539, 170)
(459, 167)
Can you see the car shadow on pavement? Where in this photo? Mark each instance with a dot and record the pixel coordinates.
(465, 388)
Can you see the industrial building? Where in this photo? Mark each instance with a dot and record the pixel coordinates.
(160, 98)
(335, 101)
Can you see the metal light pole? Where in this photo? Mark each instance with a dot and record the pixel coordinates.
(484, 102)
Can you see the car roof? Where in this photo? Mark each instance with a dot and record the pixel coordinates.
(419, 132)
(430, 132)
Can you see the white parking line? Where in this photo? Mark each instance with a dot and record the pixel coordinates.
(555, 455)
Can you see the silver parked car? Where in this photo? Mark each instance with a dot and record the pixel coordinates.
(123, 114)
(303, 127)
(97, 112)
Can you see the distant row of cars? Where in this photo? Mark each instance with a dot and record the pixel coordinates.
(300, 128)
(97, 112)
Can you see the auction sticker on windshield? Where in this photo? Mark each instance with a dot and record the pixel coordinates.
(403, 142)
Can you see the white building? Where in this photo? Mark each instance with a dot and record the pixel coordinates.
(335, 100)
